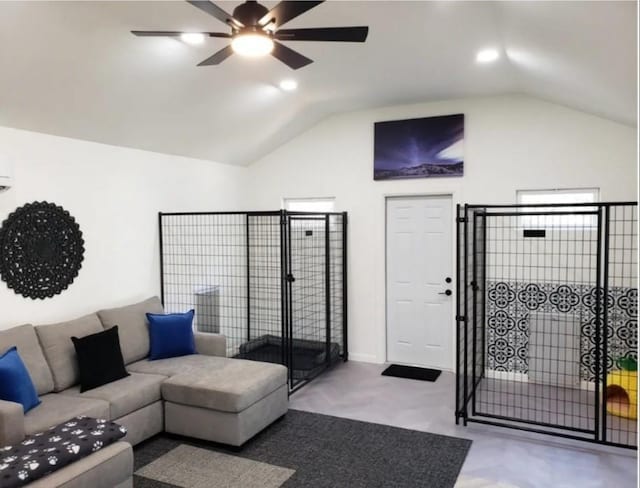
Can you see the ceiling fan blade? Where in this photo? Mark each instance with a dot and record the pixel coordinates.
(288, 56)
(287, 10)
(176, 34)
(340, 34)
(218, 57)
(217, 12)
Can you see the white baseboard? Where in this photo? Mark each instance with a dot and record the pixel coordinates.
(505, 375)
(524, 378)
(364, 358)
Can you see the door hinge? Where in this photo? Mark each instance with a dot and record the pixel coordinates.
(461, 220)
(461, 318)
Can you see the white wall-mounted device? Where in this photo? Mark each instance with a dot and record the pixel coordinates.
(6, 174)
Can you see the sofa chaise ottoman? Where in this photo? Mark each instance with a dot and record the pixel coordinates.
(204, 395)
(218, 399)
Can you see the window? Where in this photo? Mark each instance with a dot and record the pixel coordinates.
(309, 204)
(541, 197)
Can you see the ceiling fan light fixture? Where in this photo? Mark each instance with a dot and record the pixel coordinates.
(256, 30)
(252, 44)
(192, 37)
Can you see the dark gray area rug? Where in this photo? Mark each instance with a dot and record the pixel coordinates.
(334, 452)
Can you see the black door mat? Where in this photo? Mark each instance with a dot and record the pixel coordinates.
(412, 372)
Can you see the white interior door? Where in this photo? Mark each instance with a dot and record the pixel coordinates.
(419, 308)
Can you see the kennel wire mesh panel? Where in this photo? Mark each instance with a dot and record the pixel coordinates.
(273, 283)
(547, 319)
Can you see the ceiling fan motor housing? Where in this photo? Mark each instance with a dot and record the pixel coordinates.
(250, 13)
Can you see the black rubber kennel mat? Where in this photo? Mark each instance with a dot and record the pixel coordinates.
(306, 358)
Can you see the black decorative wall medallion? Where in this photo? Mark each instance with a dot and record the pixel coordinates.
(41, 250)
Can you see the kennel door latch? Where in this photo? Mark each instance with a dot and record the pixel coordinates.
(290, 278)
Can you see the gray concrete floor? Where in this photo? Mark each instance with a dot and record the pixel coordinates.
(358, 391)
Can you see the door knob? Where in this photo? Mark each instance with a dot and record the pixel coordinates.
(446, 292)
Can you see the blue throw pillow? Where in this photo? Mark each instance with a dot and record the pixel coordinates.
(171, 335)
(15, 382)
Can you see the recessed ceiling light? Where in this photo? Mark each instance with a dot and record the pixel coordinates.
(192, 37)
(288, 85)
(487, 55)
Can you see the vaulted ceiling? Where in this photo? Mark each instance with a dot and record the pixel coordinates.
(73, 68)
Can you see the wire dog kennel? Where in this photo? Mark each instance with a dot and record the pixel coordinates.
(274, 283)
(547, 319)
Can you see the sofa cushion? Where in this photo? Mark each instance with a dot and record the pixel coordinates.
(56, 408)
(126, 395)
(50, 451)
(99, 358)
(59, 351)
(25, 339)
(192, 364)
(110, 466)
(232, 386)
(133, 327)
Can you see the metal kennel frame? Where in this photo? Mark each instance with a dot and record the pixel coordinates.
(274, 283)
(547, 319)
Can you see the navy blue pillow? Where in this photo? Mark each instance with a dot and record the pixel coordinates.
(15, 382)
(171, 335)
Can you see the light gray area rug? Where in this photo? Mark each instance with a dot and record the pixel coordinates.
(193, 467)
(469, 482)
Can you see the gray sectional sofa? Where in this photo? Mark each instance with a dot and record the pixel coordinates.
(205, 395)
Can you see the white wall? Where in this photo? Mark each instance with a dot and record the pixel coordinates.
(115, 194)
(511, 143)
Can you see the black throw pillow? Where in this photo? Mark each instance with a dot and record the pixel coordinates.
(99, 359)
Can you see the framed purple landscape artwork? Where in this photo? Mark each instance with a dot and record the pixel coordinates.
(419, 148)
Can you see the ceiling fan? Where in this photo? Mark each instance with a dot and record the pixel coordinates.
(255, 31)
